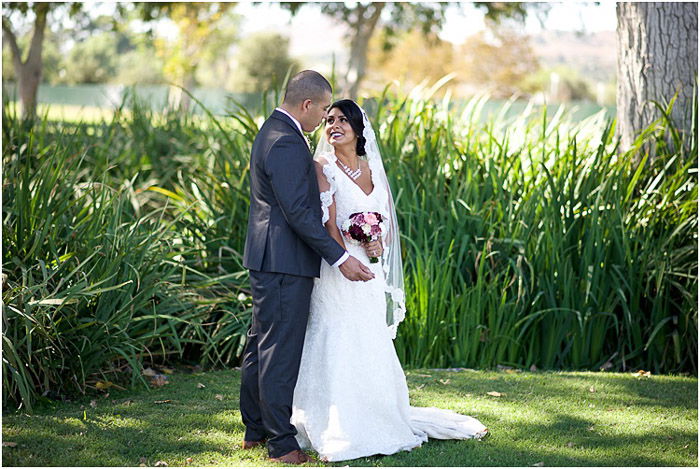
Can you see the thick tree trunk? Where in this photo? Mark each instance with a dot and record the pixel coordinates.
(28, 72)
(657, 57)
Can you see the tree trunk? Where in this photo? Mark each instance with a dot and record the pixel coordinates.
(657, 57)
(28, 72)
(188, 84)
(363, 31)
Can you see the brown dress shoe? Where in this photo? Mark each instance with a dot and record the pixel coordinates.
(294, 457)
(252, 444)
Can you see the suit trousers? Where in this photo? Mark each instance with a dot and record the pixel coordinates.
(272, 356)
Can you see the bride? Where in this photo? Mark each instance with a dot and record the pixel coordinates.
(351, 398)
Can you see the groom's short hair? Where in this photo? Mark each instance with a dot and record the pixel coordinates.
(306, 85)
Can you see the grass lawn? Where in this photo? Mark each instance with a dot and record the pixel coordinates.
(540, 418)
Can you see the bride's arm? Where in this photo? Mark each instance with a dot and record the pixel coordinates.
(324, 186)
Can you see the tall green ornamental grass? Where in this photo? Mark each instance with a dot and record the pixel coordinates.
(532, 241)
(102, 270)
(528, 240)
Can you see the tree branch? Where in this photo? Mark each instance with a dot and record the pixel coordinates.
(14, 47)
(41, 10)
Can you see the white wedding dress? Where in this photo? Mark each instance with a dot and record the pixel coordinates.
(351, 398)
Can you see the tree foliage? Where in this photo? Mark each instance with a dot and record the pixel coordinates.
(499, 56)
(413, 59)
(197, 27)
(262, 63)
(395, 19)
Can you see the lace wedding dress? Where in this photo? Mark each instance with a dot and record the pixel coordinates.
(351, 398)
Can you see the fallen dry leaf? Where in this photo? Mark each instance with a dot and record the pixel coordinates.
(495, 394)
(423, 376)
(9, 444)
(102, 385)
(188, 461)
(93, 403)
(533, 368)
(161, 464)
(162, 402)
(168, 371)
(591, 389)
(538, 464)
(421, 386)
(142, 462)
(149, 372)
(219, 397)
(200, 386)
(128, 402)
(445, 381)
(570, 444)
(641, 373)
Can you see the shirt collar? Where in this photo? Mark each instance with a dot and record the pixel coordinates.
(296, 122)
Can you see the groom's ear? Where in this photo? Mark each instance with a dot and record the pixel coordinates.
(305, 105)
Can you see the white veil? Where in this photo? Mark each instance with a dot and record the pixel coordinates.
(391, 259)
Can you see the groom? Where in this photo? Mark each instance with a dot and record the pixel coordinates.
(283, 251)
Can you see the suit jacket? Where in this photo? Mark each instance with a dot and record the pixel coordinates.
(285, 233)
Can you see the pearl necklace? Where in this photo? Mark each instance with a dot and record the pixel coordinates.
(354, 174)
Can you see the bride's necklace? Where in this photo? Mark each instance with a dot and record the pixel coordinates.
(354, 174)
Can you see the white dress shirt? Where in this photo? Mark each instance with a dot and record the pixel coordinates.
(345, 256)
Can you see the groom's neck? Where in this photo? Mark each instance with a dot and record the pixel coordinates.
(291, 110)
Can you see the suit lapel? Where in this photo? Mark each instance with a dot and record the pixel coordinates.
(284, 118)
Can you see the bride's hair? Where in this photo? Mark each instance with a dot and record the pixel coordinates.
(352, 111)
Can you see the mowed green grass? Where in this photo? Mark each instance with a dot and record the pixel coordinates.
(543, 418)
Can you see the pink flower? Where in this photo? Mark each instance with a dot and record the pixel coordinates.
(358, 219)
(371, 218)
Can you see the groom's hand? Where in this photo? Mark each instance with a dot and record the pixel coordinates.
(355, 270)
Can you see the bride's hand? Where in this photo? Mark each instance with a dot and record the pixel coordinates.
(374, 248)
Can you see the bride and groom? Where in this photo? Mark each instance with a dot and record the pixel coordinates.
(319, 368)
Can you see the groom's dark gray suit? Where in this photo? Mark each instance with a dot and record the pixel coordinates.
(284, 246)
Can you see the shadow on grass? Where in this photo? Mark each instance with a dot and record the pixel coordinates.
(533, 422)
(611, 389)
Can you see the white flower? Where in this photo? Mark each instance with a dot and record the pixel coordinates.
(366, 229)
(346, 225)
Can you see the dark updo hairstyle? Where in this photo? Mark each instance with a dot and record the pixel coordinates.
(354, 115)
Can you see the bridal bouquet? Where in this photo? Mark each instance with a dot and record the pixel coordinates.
(363, 227)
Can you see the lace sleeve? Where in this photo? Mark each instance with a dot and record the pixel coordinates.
(326, 185)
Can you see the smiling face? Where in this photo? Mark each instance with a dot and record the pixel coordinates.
(339, 133)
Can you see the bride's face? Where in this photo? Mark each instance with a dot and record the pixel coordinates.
(338, 129)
